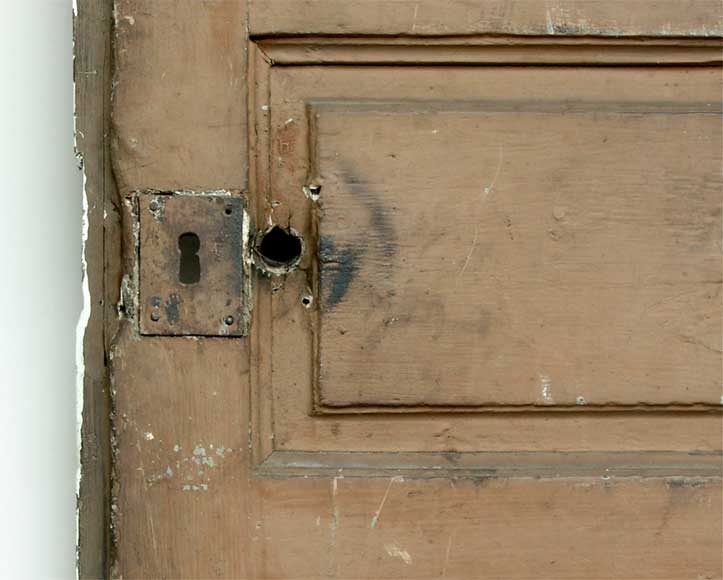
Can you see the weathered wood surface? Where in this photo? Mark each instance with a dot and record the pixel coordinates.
(92, 75)
(178, 95)
(195, 417)
(613, 18)
(479, 247)
(186, 509)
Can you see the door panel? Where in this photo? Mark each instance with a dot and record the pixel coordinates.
(503, 241)
(506, 237)
(498, 355)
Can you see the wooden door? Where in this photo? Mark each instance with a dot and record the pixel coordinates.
(448, 303)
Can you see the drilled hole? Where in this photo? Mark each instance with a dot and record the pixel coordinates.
(280, 248)
(189, 270)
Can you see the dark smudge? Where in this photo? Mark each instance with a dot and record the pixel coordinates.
(340, 266)
(171, 308)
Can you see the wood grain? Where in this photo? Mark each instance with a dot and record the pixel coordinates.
(175, 116)
(92, 76)
(178, 515)
(207, 430)
(520, 256)
(613, 18)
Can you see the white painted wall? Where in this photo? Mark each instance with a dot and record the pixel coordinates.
(40, 291)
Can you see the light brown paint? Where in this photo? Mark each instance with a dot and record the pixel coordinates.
(231, 459)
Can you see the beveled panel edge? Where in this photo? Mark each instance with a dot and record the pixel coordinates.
(318, 106)
(677, 465)
(268, 462)
(490, 50)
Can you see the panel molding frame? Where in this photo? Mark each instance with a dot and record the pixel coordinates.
(603, 465)
(489, 50)
(280, 51)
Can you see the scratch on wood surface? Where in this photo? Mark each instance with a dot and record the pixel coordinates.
(450, 540)
(152, 530)
(378, 513)
(490, 187)
(334, 508)
(471, 250)
(414, 18)
(485, 192)
(333, 526)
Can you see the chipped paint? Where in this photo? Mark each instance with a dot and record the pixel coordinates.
(148, 436)
(194, 487)
(580, 400)
(550, 27)
(396, 552)
(83, 317)
(546, 388)
(312, 191)
(80, 329)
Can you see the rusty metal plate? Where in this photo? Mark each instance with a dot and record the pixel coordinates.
(191, 265)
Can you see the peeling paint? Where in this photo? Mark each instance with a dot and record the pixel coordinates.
(83, 319)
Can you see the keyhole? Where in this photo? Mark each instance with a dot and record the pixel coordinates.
(189, 271)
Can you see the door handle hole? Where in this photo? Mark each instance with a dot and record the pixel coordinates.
(189, 270)
(280, 249)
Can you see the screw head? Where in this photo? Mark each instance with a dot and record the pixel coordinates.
(153, 205)
(155, 316)
(228, 321)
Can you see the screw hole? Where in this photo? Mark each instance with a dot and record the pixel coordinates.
(306, 301)
(280, 248)
(228, 210)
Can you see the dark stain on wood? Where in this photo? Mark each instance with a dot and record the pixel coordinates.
(340, 267)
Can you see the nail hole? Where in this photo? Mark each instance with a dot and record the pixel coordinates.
(280, 248)
(189, 271)
(306, 301)
(228, 210)
(312, 191)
